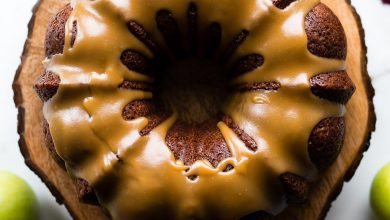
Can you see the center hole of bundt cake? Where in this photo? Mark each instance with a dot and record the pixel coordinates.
(194, 88)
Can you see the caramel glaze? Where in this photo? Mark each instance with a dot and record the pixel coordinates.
(137, 176)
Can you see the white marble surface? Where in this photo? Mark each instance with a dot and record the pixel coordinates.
(353, 202)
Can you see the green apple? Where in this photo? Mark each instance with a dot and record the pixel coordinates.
(380, 193)
(17, 200)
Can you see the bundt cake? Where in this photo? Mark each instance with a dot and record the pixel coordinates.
(201, 109)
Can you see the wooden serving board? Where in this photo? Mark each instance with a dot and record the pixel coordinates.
(360, 119)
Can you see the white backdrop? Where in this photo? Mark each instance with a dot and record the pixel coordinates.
(352, 203)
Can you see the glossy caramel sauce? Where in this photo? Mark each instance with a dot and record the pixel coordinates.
(89, 133)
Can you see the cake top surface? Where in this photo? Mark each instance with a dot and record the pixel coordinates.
(133, 173)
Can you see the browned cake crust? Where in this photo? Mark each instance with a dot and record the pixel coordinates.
(153, 111)
(247, 64)
(138, 31)
(325, 141)
(134, 85)
(204, 141)
(325, 33)
(55, 36)
(334, 86)
(248, 140)
(296, 187)
(50, 145)
(192, 142)
(47, 85)
(246, 87)
(137, 62)
(282, 4)
(232, 47)
(85, 192)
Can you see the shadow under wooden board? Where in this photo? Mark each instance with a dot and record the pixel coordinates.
(360, 119)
